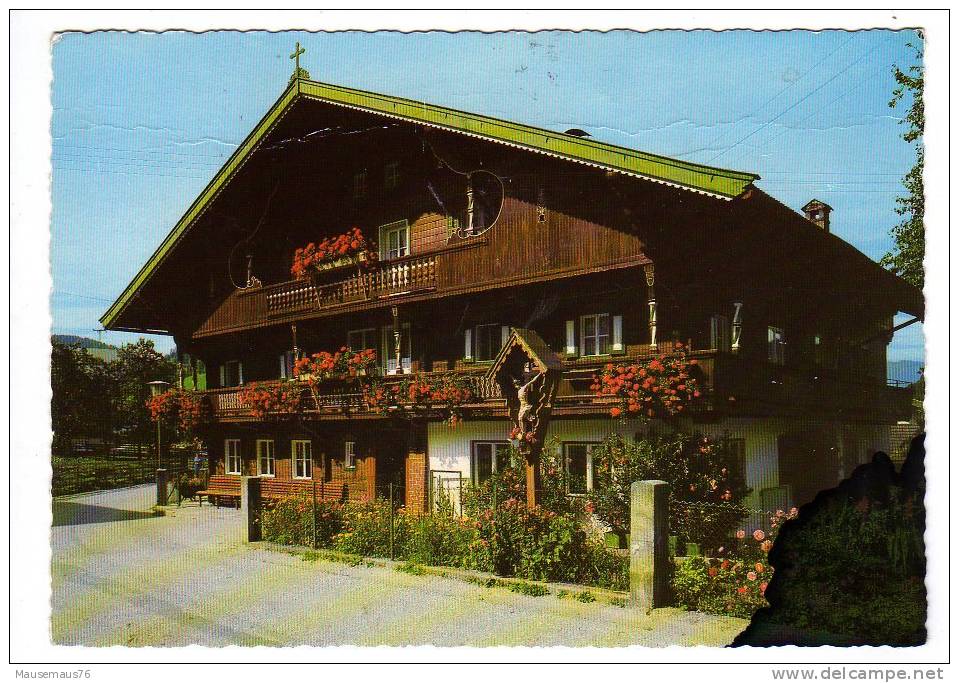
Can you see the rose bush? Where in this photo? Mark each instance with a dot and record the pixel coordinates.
(733, 582)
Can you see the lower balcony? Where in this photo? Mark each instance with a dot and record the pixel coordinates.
(730, 385)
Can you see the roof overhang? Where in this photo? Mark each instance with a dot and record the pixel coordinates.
(714, 182)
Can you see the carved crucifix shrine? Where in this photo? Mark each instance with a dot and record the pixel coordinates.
(528, 374)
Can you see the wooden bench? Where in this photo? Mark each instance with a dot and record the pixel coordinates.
(275, 489)
(220, 488)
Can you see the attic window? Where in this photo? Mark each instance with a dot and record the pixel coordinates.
(359, 185)
(391, 176)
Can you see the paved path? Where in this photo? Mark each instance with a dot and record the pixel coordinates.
(124, 577)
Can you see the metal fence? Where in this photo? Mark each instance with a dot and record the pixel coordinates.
(117, 467)
(701, 527)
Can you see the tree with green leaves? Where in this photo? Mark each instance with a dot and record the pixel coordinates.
(907, 256)
(80, 406)
(135, 366)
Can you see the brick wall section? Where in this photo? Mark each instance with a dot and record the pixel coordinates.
(416, 481)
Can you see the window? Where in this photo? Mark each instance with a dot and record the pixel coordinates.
(719, 332)
(359, 340)
(287, 360)
(359, 185)
(391, 176)
(594, 331)
(394, 240)
(578, 458)
(777, 345)
(231, 374)
(265, 456)
(349, 454)
(489, 340)
(233, 460)
(389, 349)
(737, 453)
(302, 459)
(489, 457)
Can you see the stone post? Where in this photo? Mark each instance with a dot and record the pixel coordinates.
(162, 480)
(251, 503)
(648, 544)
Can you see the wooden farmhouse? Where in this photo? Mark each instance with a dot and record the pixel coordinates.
(473, 227)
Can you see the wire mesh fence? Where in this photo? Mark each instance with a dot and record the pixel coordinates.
(703, 527)
(115, 468)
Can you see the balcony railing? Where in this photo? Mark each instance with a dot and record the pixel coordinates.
(337, 398)
(727, 382)
(389, 278)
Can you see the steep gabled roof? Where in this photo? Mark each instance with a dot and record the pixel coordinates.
(716, 182)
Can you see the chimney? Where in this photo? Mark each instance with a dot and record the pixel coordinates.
(818, 212)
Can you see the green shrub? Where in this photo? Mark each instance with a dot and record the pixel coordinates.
(705, 478)
(855, 568)
(290, 521)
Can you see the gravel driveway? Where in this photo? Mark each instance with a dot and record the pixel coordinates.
(122, 576)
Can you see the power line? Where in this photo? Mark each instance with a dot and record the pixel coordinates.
(790, 85)
(798, 102)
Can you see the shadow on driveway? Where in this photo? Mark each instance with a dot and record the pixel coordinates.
(70, 513)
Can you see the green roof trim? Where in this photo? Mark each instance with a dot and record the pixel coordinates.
(696, 177)
(707, 179)
(233, 164)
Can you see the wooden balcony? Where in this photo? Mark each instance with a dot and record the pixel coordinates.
(391, 278)
(730, 385)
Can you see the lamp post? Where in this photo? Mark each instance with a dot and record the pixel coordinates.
(157, 387)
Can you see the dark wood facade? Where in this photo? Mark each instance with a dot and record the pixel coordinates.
(556, 241)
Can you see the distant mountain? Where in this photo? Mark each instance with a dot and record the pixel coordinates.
(82, 342)
(98, 349)
(904, 370)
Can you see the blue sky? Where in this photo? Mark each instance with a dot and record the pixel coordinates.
(141, 121)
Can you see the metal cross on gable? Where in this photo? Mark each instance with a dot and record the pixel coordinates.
(296, 55)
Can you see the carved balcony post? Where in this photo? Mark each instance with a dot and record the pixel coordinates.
(651, 301)
(737, 327)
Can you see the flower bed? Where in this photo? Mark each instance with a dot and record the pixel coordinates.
(734, 583)
(552, 542)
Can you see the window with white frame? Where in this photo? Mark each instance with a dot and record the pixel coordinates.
(395, 240)
(266, 457)
(360, 340)
(578, 458)
(287, 361)
(776, 339)
(302, 459)
(488, 340)
(234, 462)
(349, 454)
(719, 332)
(231, 374)
(594, 334)
(391, 175)
(359, 184)
(489, 457)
